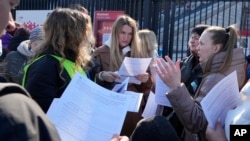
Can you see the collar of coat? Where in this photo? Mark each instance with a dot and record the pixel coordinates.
(125, 50)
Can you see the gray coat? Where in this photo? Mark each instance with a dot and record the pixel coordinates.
(15, 62)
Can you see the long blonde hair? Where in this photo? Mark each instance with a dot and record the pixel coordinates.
(66, 32)
(148, 42)
(116, 56)
(227, 38)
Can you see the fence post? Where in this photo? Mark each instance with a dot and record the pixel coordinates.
(146, 14)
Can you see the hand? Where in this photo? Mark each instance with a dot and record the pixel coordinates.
(109, 76)
(152, 71)
(217, 134)
(119, 138)
(143, 77)
(169, 72)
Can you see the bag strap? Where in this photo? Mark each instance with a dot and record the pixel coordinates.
(68, 65)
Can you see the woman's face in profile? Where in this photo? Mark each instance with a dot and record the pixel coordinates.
(206, 47)
(194, 43)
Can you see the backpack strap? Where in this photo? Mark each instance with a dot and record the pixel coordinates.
(68, 65)
(25, 69)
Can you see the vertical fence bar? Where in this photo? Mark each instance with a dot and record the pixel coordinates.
(146, 13)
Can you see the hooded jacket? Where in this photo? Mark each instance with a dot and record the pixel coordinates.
(16, 60)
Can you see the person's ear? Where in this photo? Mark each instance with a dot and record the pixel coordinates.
(217, 48)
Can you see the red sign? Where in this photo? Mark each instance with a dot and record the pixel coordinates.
(244, 32)
(103, 22)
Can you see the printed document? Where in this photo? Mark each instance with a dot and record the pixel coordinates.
(121, 87)
(88, 112)
(132, 67)
(151, 107)
(220, 99)
(134, 100)
(161, 90)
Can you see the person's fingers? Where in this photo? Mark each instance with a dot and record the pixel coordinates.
(170, 62)
(178, 64)
(163, 65)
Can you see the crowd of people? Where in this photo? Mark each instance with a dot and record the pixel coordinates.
(38, 65)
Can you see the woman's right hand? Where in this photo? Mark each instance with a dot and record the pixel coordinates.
(109, 76)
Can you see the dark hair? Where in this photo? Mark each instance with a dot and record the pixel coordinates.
(199, 28)
(156, 128)
(79, 8)
(23, 32)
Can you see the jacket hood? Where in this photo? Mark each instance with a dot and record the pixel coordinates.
(23, 48)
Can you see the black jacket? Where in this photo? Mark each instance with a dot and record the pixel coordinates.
(45, 81)
(21, 118)
(191, 74)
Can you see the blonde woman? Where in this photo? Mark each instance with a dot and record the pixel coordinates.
(124, 41)
(218, 57)
(64, 52)
(149, 45)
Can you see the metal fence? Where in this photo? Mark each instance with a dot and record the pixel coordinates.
(171, 20)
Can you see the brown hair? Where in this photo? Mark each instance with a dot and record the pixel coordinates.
(66, 32)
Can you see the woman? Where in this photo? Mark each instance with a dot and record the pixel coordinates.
(218, 57)
(16, 60)
(190, 71)
(149, 45)
(64, 52)
(124, 41)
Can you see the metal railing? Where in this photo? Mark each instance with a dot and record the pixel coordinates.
(171, 20)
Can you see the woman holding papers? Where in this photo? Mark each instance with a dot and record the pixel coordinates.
(218, 58)
(149, 47)
(123, 42)
(64, 52)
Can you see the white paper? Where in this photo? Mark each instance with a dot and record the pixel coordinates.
(220, 99)
(88, 112)
(122, 87)
(151, 107)
(132, 79)
(132, 67)
(161, 90)
(134, 100)
(237, 116)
